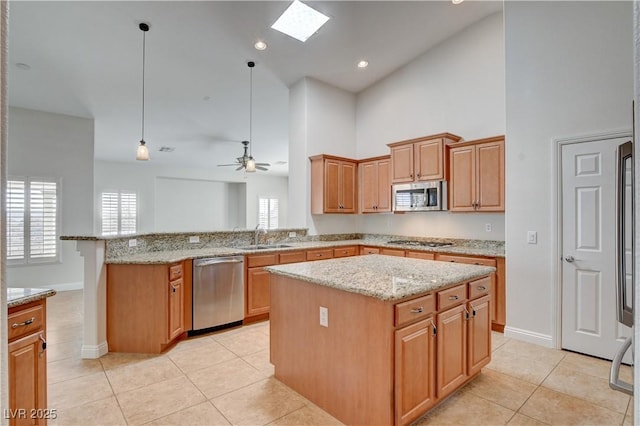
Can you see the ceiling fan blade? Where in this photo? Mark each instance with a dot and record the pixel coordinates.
(240, 168)
(261, 168)
(224, 165)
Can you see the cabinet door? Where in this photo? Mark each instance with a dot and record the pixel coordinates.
(462, 183)
(421, 255)
(176, 309)
(402, 163)
(429, 160)
(490, 176)
(479, 325)
(27, 378)
(332, 188)
(368, 188)
(414, 370)
(348, 173)
(383, 203)
(452, 350)
(392, 252)
(257, 291)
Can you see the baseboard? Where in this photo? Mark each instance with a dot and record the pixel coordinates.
(65, 286)
(94, 351)
(529, 336)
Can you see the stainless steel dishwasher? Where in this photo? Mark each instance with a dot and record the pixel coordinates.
(218, 293)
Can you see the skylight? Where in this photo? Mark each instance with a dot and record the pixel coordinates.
(300, 21)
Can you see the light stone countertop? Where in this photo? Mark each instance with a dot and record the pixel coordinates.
(478, 248)
(383, 277)
(21, 296)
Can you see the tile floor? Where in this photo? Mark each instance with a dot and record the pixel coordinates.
(226, 378)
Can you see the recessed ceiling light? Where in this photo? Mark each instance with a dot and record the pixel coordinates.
(363, 64)
(23, 66)
(456, 1)
(206, 98)
(260, 45)
(300, 21)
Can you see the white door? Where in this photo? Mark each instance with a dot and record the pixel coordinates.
(589, 323)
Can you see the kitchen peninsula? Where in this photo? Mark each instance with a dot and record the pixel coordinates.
(379, 339)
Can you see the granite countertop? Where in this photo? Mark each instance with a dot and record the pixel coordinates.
(468, 247)
(21, 296)
(383, 277)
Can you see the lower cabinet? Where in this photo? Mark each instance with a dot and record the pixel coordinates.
(452, 349)
(146, 306)
(27, 365)
(257, 292)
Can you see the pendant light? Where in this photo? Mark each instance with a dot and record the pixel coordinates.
(251, 163)
(142, 153)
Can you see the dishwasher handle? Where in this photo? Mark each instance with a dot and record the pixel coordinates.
(209, 262)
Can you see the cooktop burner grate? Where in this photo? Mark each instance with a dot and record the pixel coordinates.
(421, 243)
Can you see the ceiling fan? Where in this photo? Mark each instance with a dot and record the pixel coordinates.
(247, 162)
(244, 162)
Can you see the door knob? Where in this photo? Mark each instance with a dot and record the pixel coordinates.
(570, 259)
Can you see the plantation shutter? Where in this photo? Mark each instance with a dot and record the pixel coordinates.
(128, 213)
(109, 213)
(15, 219)
(43, 219)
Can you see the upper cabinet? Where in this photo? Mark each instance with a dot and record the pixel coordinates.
(420, 159)
(333, 184)
(477, 175)
(375, 184)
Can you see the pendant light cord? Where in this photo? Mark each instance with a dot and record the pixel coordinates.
(250, 110)
(144, 43)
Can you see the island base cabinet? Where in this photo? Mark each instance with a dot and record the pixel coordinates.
(415, 370)
(452, 349)
(479, 334)
(27, 380)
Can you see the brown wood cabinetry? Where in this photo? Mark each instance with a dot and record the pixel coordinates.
(27, 363)
(392, 252)
(498, 284)
(375, 184)
(257, 287)
(345, 251)
(477, 175)
(369, 250)
(146, 306)
(333, 184)
(421, 158)
(420, 255)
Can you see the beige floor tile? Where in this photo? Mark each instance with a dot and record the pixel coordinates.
(119, 359)
(465, 408)
(159, 400)
(190, 343)
(260, 360)
(525, 361)
(201, 414)
(147, 372)
(309, 415)
(71, 368)
(497, 340)
(63, 335)
(502, 389)
(595, 366)
(557, 408)
(63, 350)
(258, 404)
(201, 356)
(591, 388)
(531, 351)
(102, 412)
(75, 392)
(245, 343)
(225, 377)
(522, 420)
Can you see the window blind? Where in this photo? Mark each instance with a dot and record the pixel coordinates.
(16, 207)
(119, 211)
(268, 212)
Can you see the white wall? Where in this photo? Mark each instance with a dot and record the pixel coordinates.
(143, 178)
(60, 146)
(568, 73)
(456, 87)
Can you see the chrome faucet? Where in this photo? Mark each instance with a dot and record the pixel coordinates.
(256, 234)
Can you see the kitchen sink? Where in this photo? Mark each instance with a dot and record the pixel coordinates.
(264, 247)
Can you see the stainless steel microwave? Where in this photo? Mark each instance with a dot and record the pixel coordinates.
(420, 196)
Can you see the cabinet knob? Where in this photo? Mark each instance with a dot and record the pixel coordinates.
(481, 288)
(418, 310)
(453, 297)
(418, 175)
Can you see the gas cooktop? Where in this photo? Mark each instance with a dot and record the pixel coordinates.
(421, 243)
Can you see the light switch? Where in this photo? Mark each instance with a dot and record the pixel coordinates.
(194, 239)
(133, 242)
(532, 237)
(324, 316)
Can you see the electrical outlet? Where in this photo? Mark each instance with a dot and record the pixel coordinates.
(532, 237)
(194, 239)
(488, 227)
(292, 234)
(324, 316)
(133, 242)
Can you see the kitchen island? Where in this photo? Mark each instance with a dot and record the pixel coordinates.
(379, 339)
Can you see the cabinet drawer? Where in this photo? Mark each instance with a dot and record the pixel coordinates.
(479, 287)
(369, 250)
(175, 272)
(415, 309)
(25, 321)
(262, 260)
(452, 296)
(344, 251)
(293, 257)
(421, 255)
(319, 254)
(392, 252)
(467, 259)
